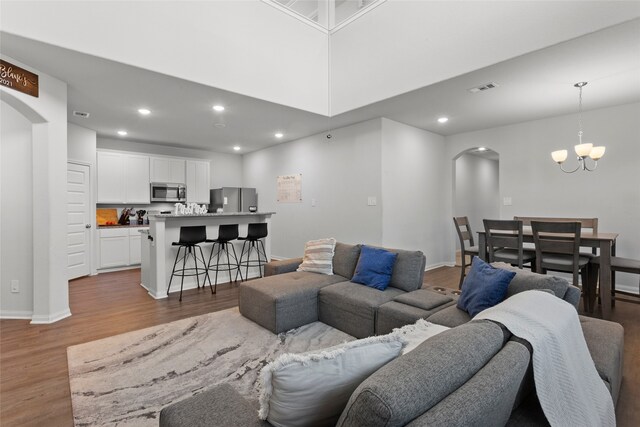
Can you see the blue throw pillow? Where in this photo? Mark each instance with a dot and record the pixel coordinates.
(374, 267)
(484, 287)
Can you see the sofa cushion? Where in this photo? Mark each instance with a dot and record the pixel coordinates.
(220, 405)
(398, 392)
(313, 388)
(526, 280)
(451, 316)
(284, 301)
(423, 298)
(408, 272)
(318, 256)
(345, 259)
(352, 307)
(374, 267)
(484, 287)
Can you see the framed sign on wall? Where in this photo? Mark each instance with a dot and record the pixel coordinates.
(289, 188)
(19, 79)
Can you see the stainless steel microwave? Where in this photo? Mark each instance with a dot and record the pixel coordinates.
(164, 192)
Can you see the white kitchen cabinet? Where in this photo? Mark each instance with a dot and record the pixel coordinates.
(114, 247)
(198, 181)
(119, 247)
(137, 189)
(111, 177)
(123, 178)
(167, 169)
(135, 246)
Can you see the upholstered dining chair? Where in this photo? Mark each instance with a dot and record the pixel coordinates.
(467, 248)
(558, 249)
(623, 265)
(505, 243)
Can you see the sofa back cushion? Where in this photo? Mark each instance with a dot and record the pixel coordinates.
(345, 258)
(408, 270)
(526, 280)
(415, 382)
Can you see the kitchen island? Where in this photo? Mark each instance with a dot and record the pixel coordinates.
(158, 254)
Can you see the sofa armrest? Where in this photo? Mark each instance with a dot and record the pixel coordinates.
(283, 266)
(221, 405)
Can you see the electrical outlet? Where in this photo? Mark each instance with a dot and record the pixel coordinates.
(506, 201)
(371, 201)
(15, 286)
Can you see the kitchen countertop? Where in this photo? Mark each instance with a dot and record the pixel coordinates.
(128, 226)
(211, 214)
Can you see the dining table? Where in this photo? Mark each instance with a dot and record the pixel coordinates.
(605, 242)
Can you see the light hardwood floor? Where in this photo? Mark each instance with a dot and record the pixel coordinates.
(34, 383)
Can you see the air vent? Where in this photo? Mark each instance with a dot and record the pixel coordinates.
(81, 114)
(483, 87)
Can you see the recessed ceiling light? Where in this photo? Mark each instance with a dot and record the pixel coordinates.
(443, 119)
(279, 135)
(236, 148)
(482, 148)
(122, 132)
(218, 108)
(144, 111)
(219, 125)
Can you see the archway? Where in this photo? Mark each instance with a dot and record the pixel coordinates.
(476, 192)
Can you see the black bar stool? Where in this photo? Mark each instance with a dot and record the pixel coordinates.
(189, 239)
(255, 232)
(226, 233)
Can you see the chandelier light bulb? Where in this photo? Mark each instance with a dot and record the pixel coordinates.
(583, 150)
(559, 156)
(597, 152)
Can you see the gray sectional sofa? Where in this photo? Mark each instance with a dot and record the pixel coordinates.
(476, 373)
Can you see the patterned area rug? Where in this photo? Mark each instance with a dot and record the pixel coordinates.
(125, 380)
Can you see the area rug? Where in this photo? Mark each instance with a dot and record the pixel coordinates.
(125, 380)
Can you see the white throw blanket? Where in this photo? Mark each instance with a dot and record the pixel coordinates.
(569, 388)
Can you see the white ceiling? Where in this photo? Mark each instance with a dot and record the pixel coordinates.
(531, 86)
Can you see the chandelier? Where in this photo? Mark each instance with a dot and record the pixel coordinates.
(583, 150)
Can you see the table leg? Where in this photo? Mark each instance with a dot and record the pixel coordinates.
(482, 247)
(605, 278)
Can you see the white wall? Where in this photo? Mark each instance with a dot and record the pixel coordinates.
(16, 217)
(339, 174)
(413, 196)
(48, 116)
(247, 47)
(476, 190)
(226, 169)
(538, 188)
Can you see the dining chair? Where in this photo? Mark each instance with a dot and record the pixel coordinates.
(465, 235)
(505, 242)
(623, 265)
(558, 249)
(585, 224)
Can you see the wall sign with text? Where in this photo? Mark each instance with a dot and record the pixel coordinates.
(17, 78)
(289, 188)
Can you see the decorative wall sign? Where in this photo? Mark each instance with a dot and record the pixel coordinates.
(17, 78)
(289, 188)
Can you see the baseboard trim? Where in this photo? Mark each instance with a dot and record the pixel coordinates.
(278, 258)
(112, 269)
(40, 319)
(627, 288)
(438, 265)
(16, 314)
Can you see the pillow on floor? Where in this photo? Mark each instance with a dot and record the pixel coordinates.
(374, 267)
(484, 287)
(318, 256)
(314, 388)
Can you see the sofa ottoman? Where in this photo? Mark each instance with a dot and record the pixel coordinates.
(284, 301)
(407, 308)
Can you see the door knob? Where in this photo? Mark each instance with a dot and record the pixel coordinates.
(87, 226)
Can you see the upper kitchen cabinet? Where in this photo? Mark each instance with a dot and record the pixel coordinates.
(123, 178)
(166, 169)
(111, 178)
(136, 169)
(198, 181)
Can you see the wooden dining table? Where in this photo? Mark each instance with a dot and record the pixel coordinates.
(606, 242)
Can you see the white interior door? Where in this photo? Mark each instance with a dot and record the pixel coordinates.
(78, 220)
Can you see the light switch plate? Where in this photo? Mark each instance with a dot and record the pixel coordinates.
(225, 202)
(506, 201)
(313, 203)
(15, 286)
(371, 201)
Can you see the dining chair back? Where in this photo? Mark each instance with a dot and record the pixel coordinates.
(466, 249)
(623, 265)
(585, 224)
(505, 242)
(558, 249)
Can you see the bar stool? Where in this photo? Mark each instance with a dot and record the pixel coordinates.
(226, 233)
(255, 232)
(190, 237)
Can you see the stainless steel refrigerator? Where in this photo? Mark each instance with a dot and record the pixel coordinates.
(233, 199)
